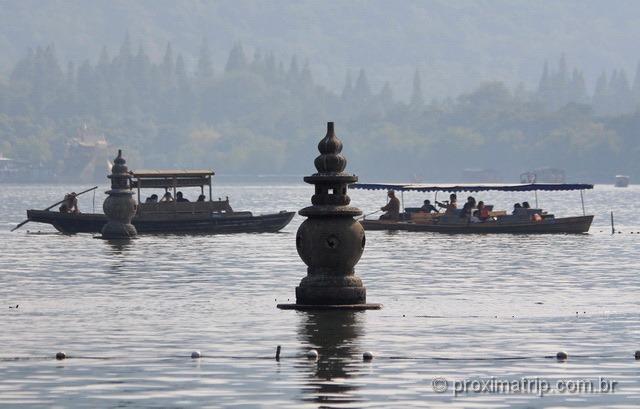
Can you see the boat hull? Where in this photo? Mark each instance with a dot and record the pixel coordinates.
(196, 223)
(566, 225)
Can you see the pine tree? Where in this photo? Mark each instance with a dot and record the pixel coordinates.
(386, 95)
(635, 90)
(237, 60)
(600, 95)
(347, 90)
(417, 99)
(362, 90)
(168, 63)
(204, 70)
(293, 75)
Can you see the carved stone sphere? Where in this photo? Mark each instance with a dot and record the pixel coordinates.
(119, 208)
(330, 245)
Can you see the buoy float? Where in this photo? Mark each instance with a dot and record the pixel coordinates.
(312, 354)
(60, 356)
(367, 356)
(562, 356)
(637, 355)
(196, 355)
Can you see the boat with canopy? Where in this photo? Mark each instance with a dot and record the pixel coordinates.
(202, 216)
(523, 220)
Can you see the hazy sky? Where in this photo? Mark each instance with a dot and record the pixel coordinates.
(455, 44)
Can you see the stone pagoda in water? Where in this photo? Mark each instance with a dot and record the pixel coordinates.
(330, 241)
(119, 206)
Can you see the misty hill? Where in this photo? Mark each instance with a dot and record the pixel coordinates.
(456, 45)
(260, 114)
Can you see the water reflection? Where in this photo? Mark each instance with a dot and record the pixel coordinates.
(119, 246)
(335, 335)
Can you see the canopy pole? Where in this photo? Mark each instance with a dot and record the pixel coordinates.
(402, 198)
(535, 192)
(210, 191)
(582, 200)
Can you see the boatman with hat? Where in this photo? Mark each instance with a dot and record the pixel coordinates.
(392, 208)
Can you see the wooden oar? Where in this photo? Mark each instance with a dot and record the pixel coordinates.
(368, 214)
(54, 205)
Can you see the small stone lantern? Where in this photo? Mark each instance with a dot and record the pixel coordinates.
(119, 206)
(330, 241)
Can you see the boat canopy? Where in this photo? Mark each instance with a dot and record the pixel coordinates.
(413, 187)
(166, 179)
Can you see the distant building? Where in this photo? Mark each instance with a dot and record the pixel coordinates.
(86, 157)
(543, 175)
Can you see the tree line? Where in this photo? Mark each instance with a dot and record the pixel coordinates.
(259, 114)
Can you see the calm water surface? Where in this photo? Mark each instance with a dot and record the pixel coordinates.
(456, 307)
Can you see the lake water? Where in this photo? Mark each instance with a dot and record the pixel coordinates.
(489, 307)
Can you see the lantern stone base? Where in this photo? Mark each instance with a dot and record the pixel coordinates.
(320, 307)
(116, 230)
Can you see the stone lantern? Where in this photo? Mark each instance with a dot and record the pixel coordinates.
(119, 206)
(330, 241)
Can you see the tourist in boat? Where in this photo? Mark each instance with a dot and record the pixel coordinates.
(482, 212)
(428, 207)
(468, 207)
(516, 208)
(392, 208)
(526, 205)
(201, 198)
(70, 204)
(166, 198)
(152, 199)
(451, 206)
(181, 198)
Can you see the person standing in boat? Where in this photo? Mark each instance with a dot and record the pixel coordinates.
(70, 204)
(392, 208)
(452, 206)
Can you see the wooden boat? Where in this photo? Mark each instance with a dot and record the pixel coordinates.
(207, 216)
(522, 221)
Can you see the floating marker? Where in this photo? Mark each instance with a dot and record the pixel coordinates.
(278, 353)
(562, 356)
(312, 354)
(60, 356)
(638, 355)
(196, 355)
(367, 356)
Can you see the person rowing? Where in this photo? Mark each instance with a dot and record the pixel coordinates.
(392, 208)
(70, 204)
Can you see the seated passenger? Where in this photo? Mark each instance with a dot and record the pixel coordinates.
(166, 198)
(525, 205)
(482, 213)
(152, 199)
(392, 208)
(201, 198)
(516, 208)
(468, 207)
(181, 198)
(428, 207)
